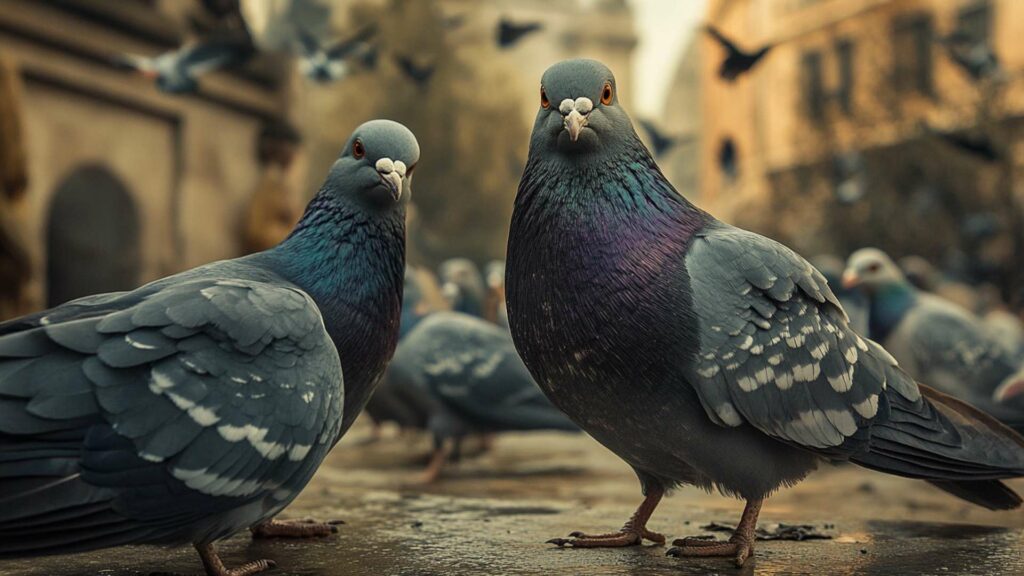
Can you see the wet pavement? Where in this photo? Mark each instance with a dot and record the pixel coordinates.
(491, 514)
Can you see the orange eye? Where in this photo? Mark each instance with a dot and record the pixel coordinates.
(544, 102)
(606, 94)
(357, 150)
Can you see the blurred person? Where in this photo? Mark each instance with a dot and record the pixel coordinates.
(15, 263)
(273, 210)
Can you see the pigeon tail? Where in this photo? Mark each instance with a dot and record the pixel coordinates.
(950, 444)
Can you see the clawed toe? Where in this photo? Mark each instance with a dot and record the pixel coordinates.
(738, 549)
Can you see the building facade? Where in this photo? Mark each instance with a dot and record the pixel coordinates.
(125, 183)
(861, 128)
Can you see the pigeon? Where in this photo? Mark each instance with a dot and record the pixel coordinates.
(201, 404)
(177, 72)
(420, 74)
(933, 339)
(494, 305)
(701, 353)
(510, 33)
(330, 64)
(977, 145)
(463, 286)
(478, 383)
(736, 62)
(973, 55)
(660, 141)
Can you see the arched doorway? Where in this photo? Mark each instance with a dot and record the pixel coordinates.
(92, 237)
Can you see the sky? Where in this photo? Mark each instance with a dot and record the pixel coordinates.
(663, 27)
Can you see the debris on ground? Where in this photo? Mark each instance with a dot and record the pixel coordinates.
(780, 531)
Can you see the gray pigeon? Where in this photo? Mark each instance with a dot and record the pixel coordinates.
(462, 285)
(701, 353)
(178, 72)
(326, 64)
(933, 339)
(201, 404)
(476, 380)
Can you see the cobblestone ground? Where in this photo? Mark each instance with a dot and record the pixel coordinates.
(492, 513)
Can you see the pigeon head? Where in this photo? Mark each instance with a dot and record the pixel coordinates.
(579, 110)
(871, 269)
(376, 165)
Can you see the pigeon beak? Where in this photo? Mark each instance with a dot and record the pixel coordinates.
(394, 183)
(850, 279)
(392, 173)
(574, 124)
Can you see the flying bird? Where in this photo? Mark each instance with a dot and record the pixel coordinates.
(974, 56)
(660, 141)
(332, 63)
(701, 353)
(933, 339)
(736, 62)
(201, 404)
(976, 145)
(420, 74)
(509, 33)
(178, 72)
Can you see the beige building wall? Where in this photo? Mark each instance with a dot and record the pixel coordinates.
(188, 162)
(785, 152)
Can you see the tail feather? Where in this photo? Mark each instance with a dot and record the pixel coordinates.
(991, 494)
(950, 444)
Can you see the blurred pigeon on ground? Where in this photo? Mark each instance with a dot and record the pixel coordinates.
(736, 62)
(463, 286)
(974, 56)
(933, 340)
(419, 73)
(201, 404)
(331, 64)
(478, 382)
(1005, 326)
(405, 407)
(701, 353)
(494, 305)
(178, 72)
(509, 33)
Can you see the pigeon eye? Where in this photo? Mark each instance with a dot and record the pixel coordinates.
(606, 94)
(874, 267)
(358, 152)
(544, 102)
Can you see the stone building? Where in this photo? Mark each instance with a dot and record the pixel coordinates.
(847, 133)
(126, 184)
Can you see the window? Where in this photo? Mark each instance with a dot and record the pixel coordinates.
(728, 161)
(814, 88)
(912, 54)
(844, 59)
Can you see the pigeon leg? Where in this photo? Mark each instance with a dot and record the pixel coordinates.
(438, 459)
(215, 567)
(634, 532)
(740, 546)
(306, 528)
